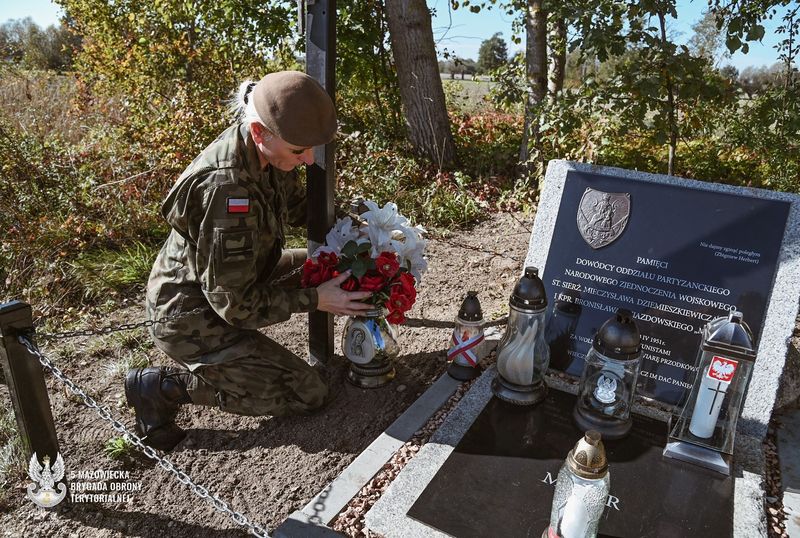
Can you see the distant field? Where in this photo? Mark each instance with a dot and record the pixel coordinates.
(467, 95)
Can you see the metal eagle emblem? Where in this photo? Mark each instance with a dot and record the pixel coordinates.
(43, 492)
(602, 216)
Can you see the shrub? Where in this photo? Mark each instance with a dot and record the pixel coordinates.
(62, 205)
(378, 169)
(488, 144)
(103, 270)
(765, 131)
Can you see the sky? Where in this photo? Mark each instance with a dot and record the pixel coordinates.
(461, 32)
(43, 12)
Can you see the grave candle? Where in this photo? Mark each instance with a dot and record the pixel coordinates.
(575, 521)
(709, 402)
(523, 353)
(608, 383)
(581, 491)
(466, 340)
(724, 364)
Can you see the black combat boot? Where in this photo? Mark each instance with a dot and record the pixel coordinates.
(155, 394)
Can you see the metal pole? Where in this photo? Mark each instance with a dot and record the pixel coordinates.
(25, 379)
(320, 176)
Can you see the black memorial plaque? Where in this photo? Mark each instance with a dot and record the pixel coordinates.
(675, 256)
(500, 479)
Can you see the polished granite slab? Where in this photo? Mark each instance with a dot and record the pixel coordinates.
(682, 256)
(499, 479)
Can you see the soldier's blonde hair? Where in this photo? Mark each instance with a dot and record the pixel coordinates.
(241, 107)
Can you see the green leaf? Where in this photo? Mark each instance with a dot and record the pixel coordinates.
(733, 43)
(344, 264)
(755, 33)
(364, 247)
(359, 268)
(350, 249)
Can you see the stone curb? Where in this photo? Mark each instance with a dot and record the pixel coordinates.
(313, 519)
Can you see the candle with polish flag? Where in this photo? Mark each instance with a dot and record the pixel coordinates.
(713, 386)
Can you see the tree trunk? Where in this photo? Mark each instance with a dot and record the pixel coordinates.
(673, 121)
(385, 63)
(558, 55)
(421, 90)
(536, 75)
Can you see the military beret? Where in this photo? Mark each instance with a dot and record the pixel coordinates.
(295, 107)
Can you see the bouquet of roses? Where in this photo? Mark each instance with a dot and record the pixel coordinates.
(384, 253)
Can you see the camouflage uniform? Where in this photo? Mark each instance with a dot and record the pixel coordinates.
(226, 245)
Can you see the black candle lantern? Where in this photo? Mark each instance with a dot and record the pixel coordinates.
(466, 340)
(608, 383)
(523, 354)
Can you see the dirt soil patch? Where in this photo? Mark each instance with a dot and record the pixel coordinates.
(264, 467)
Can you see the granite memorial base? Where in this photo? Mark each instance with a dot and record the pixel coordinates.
(677, 253)
(508, 460)
(490, 471)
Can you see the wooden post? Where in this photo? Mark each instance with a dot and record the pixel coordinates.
(25, 378)
(320, 176)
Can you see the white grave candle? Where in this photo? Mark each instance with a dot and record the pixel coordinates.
(714, 384)
(575, 521)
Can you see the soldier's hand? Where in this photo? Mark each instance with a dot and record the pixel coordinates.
(331, 298)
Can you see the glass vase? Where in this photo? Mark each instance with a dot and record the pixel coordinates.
(370, 344)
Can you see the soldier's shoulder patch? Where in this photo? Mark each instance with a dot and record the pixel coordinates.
(238, 205)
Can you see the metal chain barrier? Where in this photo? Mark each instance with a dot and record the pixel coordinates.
(287, 276)
(199, 490)
(464, 246)
(438, 324)
(108, 329)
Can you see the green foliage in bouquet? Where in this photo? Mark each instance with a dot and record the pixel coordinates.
(355, 257)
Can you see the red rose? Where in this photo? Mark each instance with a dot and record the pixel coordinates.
(315, 274)
(404, 285)
(387, 264)
(372, 282)
(398, 301)
(311, 276)
(396, 317)
(408, 283)
(328, 272)
(328, 259)
(351, 284)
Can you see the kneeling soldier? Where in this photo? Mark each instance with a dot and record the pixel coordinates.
(220, 262)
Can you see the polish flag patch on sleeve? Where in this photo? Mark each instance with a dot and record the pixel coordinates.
(238, 205)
